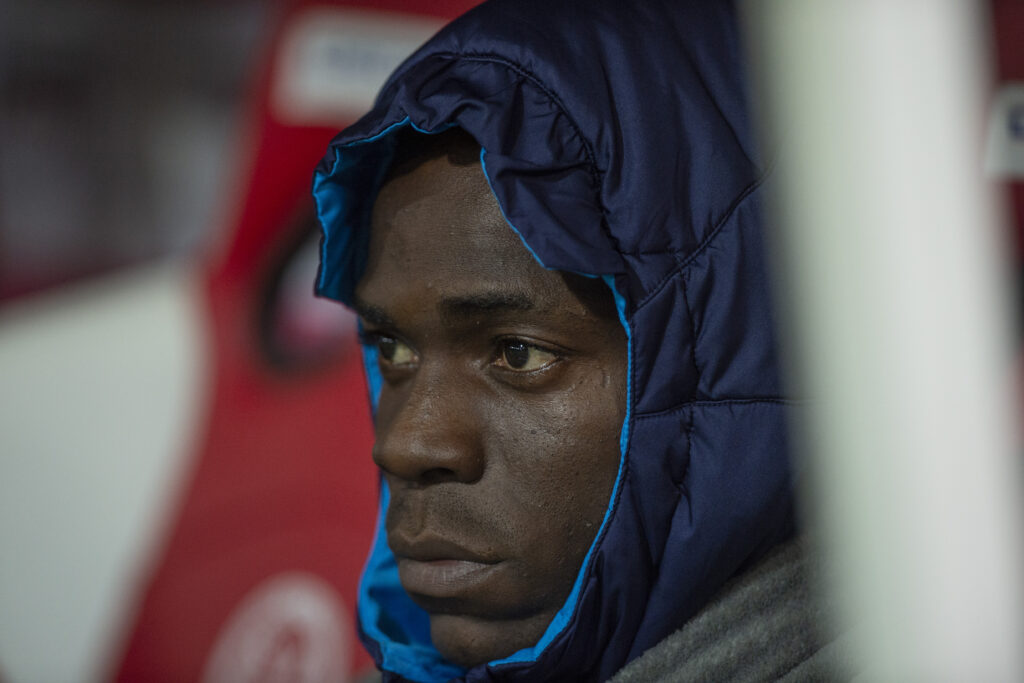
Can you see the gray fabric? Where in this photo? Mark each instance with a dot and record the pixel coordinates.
(763, 626)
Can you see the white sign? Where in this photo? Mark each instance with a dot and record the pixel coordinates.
(292, 628)
(333, 62)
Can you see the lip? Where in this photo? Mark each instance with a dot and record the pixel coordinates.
(430, 548)
(438, 568)
(442, 578)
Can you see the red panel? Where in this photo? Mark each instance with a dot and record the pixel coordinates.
(278, 512)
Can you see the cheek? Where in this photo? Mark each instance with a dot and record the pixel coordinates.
(559, 454)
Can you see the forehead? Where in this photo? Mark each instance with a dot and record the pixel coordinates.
(437, 228)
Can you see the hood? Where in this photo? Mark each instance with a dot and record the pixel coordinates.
(617, 142)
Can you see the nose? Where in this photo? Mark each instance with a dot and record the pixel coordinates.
(427, 430)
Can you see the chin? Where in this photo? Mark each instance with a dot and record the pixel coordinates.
(470, 641)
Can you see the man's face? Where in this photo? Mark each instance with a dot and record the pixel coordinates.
(498, 422)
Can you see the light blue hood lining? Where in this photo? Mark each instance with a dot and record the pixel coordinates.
(386, 613)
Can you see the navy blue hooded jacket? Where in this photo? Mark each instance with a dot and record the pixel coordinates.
(617, 141)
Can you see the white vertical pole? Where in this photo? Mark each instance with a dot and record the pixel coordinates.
(895, 286)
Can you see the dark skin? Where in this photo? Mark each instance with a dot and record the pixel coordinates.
(499, 418)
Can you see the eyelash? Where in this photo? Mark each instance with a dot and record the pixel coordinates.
(499, 358)
(376, 339)
(502, 348)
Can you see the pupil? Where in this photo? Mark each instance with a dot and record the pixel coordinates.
(386, 347)
(516, 354)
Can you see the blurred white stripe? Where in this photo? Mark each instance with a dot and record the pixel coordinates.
(902, 323)
(333, 61)
(101, 392)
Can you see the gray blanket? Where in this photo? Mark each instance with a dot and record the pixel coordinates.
(766, 625)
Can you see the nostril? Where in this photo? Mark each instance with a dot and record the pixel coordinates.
(439, 475)
(426, 466)
(428, 452)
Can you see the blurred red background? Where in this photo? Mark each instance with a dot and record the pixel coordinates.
(135, 133)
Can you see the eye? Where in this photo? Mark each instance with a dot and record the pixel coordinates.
(390, 351)
(521, 356)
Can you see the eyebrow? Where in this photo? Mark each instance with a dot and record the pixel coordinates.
(487, 303)
(375, 315)
(453, 307)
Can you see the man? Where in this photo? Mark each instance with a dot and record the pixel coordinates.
(503, 393)
(550, 227)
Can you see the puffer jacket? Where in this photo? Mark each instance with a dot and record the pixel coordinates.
(616, 138)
